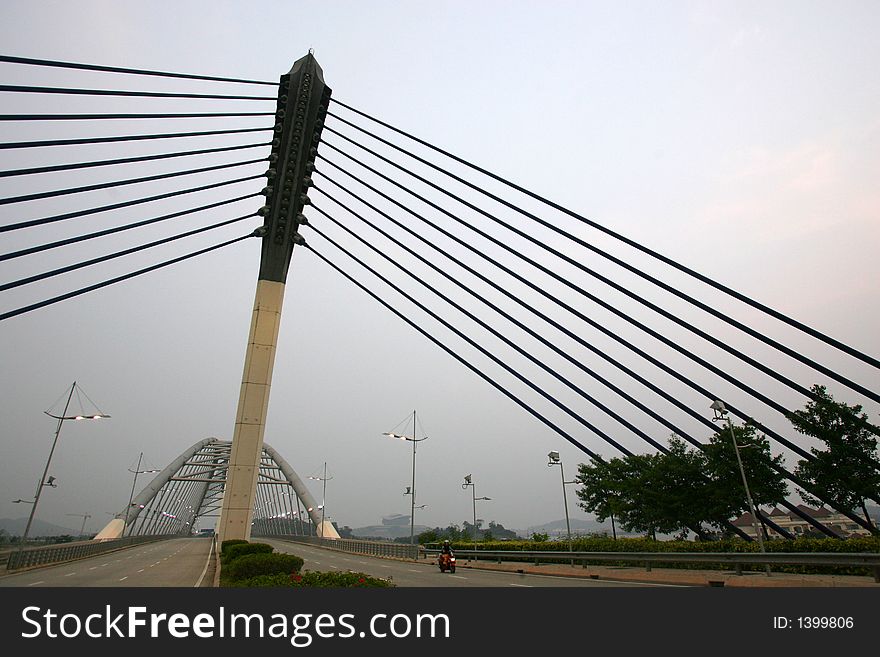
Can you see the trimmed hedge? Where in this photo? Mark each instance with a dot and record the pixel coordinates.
(248, 566)
(225, 545)
(233, 552)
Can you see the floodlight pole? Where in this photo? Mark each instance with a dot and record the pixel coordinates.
(721, 412)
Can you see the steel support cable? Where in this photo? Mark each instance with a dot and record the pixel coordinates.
(571, 359)
(94, 117)
(559, 377)
(564, 434)
(591, 322)
(623, 290)
(118, 254)
(124, 204)
(119, 229)
(126, 160)
(128, 181)
(96, 286)
(19, 88)
(561, 279)
(118, 69)
(635, 270)
(108, 140)
(654, 254)
(638, 432)
(584, 368)
(473, 368)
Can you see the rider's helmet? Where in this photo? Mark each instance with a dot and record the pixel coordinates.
(446, 542)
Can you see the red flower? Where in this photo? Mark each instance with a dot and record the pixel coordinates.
(295, 577)
(361, 580)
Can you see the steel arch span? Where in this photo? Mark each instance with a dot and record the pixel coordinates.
(186, 497)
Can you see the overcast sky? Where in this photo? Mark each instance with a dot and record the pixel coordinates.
(739, 138)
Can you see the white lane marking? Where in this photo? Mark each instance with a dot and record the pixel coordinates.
(525, 586)
(105, 564)
(458, 577)
(141, 570)
(69, 574)
(35, 583)
(93, 568)
(413, 570)
(382, 565)
(123, 578)
(332, 566)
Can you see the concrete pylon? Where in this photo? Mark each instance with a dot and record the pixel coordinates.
(302, 106)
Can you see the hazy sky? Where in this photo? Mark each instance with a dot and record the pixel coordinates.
(740, 138)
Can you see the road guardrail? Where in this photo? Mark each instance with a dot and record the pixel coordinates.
(61, 552)
(735, 560)
(370, 548)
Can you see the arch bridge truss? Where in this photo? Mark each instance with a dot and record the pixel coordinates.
(186, 498)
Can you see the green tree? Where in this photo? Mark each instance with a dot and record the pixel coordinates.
(429, 536)
(762, 470)
(847, 471)
(621, 486)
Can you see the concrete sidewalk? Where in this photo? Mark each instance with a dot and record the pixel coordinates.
(677, 576)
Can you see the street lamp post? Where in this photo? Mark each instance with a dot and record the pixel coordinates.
(555, 460)
(469, 482)
(412, 490)
(84, 516)
(323, 479)
(137, 471)
(721, 414)
(46, 480)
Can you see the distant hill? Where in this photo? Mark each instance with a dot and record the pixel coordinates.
(15, 527)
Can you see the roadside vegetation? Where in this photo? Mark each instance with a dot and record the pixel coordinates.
(253, 565)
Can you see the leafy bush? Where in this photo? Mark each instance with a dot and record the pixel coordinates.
(225, 545)
(248, 566)
(314, 579)
(233, 552)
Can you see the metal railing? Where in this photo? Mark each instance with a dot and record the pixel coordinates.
(354, 546)
(736, 560)
(61, 552)
(732, 560)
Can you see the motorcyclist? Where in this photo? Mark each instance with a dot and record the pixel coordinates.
(447, 548)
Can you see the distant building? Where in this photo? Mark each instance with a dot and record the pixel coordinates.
(836, 522)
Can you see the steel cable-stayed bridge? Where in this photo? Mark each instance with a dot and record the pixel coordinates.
(412, 225)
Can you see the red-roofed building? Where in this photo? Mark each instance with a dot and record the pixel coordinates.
(837, 522)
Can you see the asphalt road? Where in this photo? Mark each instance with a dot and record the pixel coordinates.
(426, 573)
(172, 562)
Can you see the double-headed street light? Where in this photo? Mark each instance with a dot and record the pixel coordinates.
(468, 481)
(721, 414)
(555, 460)
(411, 490)
(323, 479)
(137, 471)
(45, 479)
(84, 516)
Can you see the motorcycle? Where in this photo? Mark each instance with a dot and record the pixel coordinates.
(446, 562)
